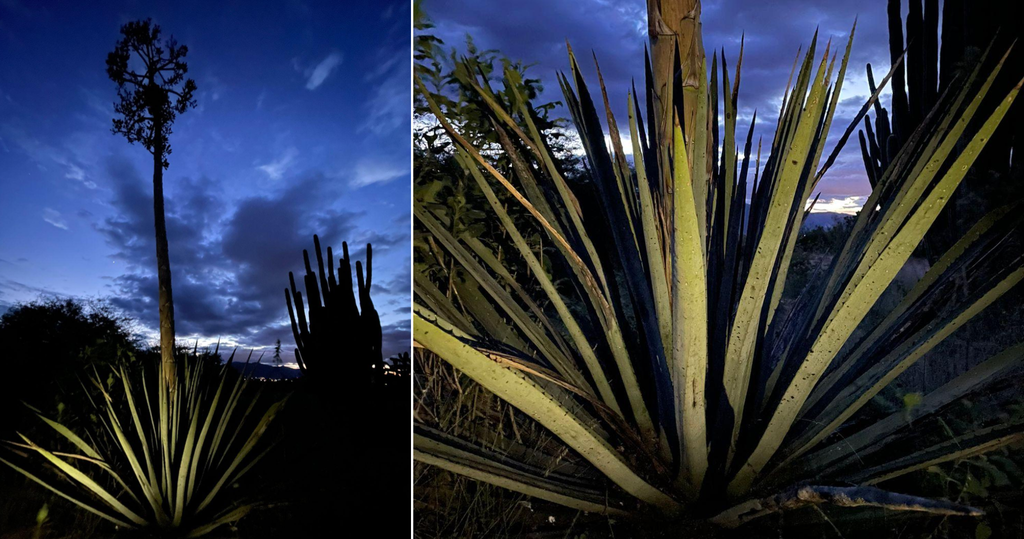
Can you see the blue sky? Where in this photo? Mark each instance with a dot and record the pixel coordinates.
(302, 127)
(535, 32)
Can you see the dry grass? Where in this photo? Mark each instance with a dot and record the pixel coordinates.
(449, 505)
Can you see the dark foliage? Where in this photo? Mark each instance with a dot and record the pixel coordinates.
(48, 344)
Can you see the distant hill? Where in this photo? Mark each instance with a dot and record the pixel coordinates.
(822, 220)
(261, 370)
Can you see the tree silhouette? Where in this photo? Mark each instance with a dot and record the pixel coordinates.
(152, 91)
(49, 343)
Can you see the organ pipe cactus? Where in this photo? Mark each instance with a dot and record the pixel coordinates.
(334, 333)
(939, 56)
(932, 67)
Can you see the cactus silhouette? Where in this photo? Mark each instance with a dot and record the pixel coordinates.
(338, 336)
(937, 56)
(338, 347)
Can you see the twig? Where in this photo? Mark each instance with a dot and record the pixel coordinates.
(840, 496)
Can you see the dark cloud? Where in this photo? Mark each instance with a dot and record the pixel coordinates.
(229, 271)
(397, 285)
(396, 337)
(8, 286)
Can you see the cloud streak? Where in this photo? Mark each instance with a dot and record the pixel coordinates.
(277, 168)
(317, 75)
(388, 107)
(368, 172)
(54, 217)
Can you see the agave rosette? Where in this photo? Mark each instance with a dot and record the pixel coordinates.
(158, 459)
(667, 362)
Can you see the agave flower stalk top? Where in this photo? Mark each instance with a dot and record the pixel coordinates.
(674, 30)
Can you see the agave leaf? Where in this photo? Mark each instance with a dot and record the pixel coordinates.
(887, 369)
(71, 499)
(792, 233)
(193, 474)
(583, 347)
(231, 516)
(738, 358)
(551, 352)
(848, 314)
(729, 142)
(71, 437)
(226, 451)
(246, 448)
(651, 234)
(222, 421)
(498, 268)
(628, 257)
(590, 285)
(84, 480)
(570, 204)
(252, 462)
(475, 303)
(432, 447)
(91, 456)
(700, 172)
(922, 149)
(937, 270)
(872, 100)
(518, 390)
(518, 161)
(834, 104)
(690, 319)
(526, 177)
(187, 455)
(898, 214)
(878, 434)
(149, 485)
(622, 175)
(475, 154)
(972, 444)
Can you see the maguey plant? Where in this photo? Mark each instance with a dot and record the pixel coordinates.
(657, 345)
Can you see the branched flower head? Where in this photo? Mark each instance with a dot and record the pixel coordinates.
(152, 90)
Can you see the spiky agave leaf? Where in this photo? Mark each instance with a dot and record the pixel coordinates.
(451, 453)
(162, 463)
(668, 333)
